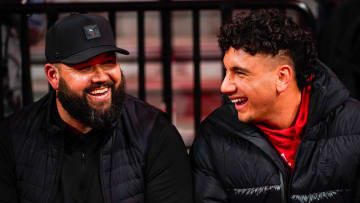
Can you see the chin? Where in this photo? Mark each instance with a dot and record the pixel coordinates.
(244, 118)
(101, 107)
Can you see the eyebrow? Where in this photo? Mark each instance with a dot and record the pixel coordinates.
(237, 68)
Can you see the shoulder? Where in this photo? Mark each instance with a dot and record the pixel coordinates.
(215, 134)
(221, 123)
(21, 125)
(221, 117)
(142, 118)
(141, 110)
(217, 130)
(340, 123)
(30, 116)
(148, 127)
(346, 118)
(223, 128)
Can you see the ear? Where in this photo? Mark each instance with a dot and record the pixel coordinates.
(284, 76)
(53, 75)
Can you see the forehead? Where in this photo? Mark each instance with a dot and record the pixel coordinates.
(241, 59)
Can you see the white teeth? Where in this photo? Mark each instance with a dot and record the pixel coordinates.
(99, 91)
(238, 100)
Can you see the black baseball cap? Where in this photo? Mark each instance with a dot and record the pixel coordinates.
(79, 37)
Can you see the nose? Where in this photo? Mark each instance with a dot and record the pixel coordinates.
(100, 75)
(227, 85)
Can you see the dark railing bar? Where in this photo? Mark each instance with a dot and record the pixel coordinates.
(226, 15)
(163, 5)
(25, 62)
(166, 60)
(2, 66)
(196, 59)
(156, 92)
(51, 19)
(141, 55)
(167, 5)
(128, 59)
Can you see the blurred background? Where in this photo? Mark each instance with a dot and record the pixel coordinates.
(174, 62)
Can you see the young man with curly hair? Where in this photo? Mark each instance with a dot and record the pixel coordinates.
(289, 132)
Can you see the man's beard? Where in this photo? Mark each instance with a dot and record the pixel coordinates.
(79, 108)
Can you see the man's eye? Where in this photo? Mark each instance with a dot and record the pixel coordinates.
(240, 73)
(111, 61)
(85, 68)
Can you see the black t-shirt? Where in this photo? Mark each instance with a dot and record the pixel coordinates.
(79, 179)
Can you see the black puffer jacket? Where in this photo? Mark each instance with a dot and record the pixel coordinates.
(142, 158)
(234, 162)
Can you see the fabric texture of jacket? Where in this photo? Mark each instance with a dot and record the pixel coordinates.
(234, 162)
(141, 132)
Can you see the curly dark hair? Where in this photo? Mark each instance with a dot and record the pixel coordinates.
(268, 31)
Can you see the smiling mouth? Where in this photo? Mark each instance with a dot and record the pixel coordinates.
(99, 91)
(239, 101)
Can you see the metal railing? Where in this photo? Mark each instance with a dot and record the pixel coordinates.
(165, 7)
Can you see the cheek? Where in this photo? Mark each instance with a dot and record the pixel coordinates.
(115, 75)
(265, 85)
(78, 78)
(77, 83)
(262, 93)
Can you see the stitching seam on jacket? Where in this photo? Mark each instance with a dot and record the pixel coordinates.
(256, 191)
(326, 195)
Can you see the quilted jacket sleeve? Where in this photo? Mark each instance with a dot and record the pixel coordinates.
(168, 172)
(207, 185)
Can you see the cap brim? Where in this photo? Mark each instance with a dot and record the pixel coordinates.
(90, 53)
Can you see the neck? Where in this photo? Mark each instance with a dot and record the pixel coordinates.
(294, 102)
(68, 119)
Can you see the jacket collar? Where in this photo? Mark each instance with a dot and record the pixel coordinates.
(50, 125)
(225, 118)
(327, 93)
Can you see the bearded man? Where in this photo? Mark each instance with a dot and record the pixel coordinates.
(88, 141)
(289, 133)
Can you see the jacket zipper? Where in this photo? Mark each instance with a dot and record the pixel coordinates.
(83, 160)
(101, 168)
(282, 189)
(293, 171)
